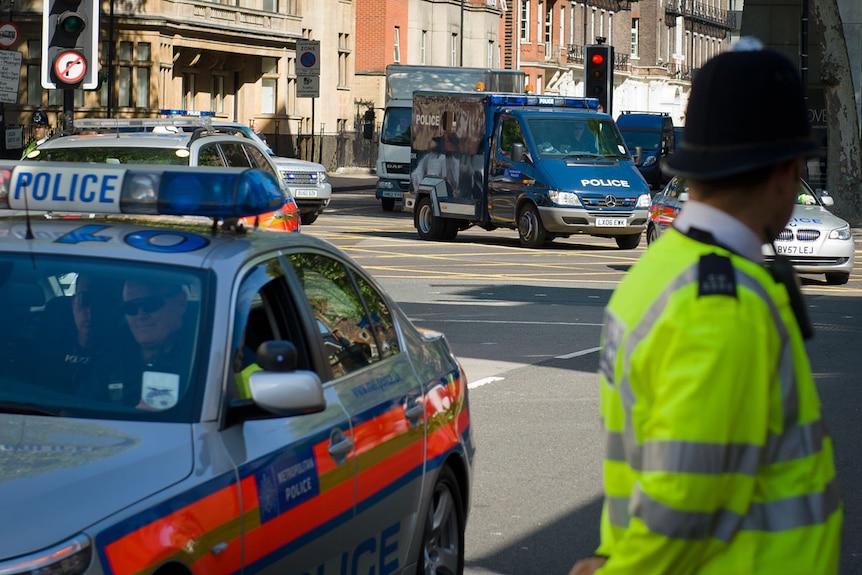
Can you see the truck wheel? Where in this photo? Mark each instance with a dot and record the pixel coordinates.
(629, 242)
(443, 537)
(531, 232)
(429, 226)
(308, 218)
(388, 204)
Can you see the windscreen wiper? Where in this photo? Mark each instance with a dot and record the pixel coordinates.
(28, 409)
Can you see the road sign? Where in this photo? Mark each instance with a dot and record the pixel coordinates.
(8, 35)
(308, 87)
(10, 76)
(70, 67)
(307, 58)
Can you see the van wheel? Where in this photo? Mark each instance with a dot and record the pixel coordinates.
(629, 242)
(308, 218)
(531, 232)
(443, 537)
(837, 278)
(651, 234)
(429, 226)
(388, 204)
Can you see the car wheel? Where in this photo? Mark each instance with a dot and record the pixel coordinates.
(837, 278)
(628, 242)
(388, 204)
(308, 218)
(531, 232)
(429, 226)
(443, 537)
(651, 234)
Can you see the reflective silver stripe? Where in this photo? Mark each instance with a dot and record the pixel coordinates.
(773, 516)
(689, 456)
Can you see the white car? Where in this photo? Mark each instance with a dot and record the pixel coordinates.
(307, 181)
(815, 240)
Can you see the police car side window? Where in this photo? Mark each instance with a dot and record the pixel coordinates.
(344, 328)
(235, 155)
(209, 155)
(259, 160)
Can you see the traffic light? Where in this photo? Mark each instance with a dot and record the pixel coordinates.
(70, 44)
(599, 74)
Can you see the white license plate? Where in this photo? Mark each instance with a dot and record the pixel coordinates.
(795, 250)
(304, 193)
(611, 222)
(390, 194)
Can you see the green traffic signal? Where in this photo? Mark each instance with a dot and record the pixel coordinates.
(71, 23)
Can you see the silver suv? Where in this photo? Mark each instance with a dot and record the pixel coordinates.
(307, 181)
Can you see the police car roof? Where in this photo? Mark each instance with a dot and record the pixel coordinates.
(120, 140)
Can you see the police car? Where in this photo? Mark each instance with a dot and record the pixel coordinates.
(161, 142)
(815, 240)
(170, 404)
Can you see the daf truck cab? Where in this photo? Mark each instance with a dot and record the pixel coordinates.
(393, 151)
(545, 166)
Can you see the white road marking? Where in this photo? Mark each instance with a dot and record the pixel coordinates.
(578, 353)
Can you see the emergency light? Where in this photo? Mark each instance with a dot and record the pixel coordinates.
(521, 100)
(150, 190)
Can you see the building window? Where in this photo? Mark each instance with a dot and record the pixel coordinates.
(270, 5)
(562, 24)
(343, 60)
(34, 74)
(540, 24)
(133, 75)
(142, 75)
(549, 24)
(490, 63)
(635, 22)
(269, 85)
(422, 46)
(525, 21)
(290, 98)
(453, 52)
(396, 46)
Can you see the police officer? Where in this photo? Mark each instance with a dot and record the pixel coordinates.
(717, 459)
(38, 132)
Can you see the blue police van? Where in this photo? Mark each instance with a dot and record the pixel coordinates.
(651, 137)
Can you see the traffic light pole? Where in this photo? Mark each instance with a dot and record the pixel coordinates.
(68, 110)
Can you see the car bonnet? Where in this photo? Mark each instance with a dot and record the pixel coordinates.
(60, 476)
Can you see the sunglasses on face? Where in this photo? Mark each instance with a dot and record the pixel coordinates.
(147, 304)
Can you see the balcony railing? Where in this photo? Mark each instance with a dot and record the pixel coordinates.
(699, 12)
(575, 55)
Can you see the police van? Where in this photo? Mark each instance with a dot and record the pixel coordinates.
(546, 166)
(170, 404)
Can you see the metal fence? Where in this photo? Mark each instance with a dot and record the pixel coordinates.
(333, 150)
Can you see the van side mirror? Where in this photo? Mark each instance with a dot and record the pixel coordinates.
(638, 156)
(518, 152)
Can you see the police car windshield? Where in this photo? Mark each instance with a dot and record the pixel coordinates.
(572, 137)
(114, 155)
(101, 339)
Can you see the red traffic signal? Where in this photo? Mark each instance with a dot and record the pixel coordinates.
(597, 59)
(599, 74)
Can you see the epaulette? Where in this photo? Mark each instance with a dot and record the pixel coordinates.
(715, 276)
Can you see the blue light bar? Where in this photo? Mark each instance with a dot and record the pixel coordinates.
(195, 113)
(169, 190)
(520, 100)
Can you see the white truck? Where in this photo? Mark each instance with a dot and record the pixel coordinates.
(393, 152)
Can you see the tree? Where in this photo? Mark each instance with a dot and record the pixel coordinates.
(844, 156)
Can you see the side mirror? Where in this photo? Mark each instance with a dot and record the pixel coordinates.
(825, 198)
(683, 197)
(638, 156)
(518, 152)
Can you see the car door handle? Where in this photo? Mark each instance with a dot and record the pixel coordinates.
(340, 446)
(414, 411)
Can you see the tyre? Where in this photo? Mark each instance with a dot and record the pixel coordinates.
(308, 218)
(651, 234)
(837, 278)
(531, 232)
(628, 242)
(388, 204)
(431, 227)
(443, 535)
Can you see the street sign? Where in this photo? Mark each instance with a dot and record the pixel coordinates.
(8, 35)
(308, 87)
(307, 58)
(10, 76)
(70, 67)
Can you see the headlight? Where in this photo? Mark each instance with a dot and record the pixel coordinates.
(841, 234)
(321, 177)
(643, 201)
(649, 161)
(69, 558)
(564, 198)
(386, 184)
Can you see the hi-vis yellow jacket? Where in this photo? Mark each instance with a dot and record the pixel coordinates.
(717, 462)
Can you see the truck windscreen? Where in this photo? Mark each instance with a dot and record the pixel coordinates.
(396, 126)
(572, 137)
